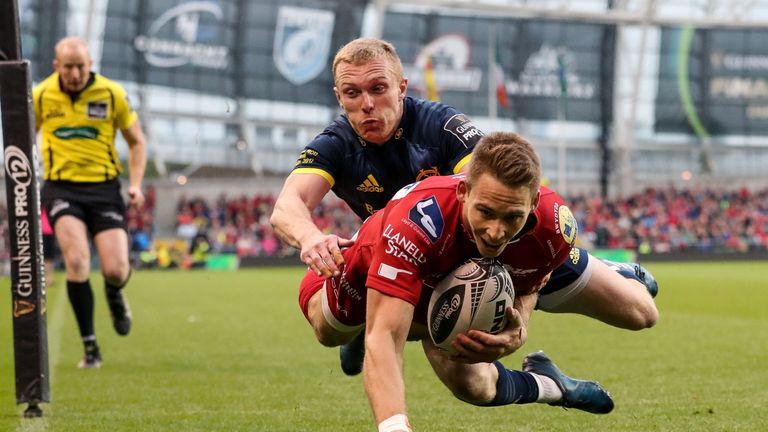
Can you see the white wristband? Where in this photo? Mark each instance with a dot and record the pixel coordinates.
(396, 423)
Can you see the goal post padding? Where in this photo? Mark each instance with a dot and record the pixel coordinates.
(30, 340)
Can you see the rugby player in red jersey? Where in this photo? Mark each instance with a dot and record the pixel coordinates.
(425, 231)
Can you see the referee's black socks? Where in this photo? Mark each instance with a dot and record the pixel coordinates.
(81, 299)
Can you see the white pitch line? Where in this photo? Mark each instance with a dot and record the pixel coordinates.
(55, 322)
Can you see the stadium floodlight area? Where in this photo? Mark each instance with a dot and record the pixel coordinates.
(23, 200)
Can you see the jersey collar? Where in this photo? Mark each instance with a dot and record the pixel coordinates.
(74, 96)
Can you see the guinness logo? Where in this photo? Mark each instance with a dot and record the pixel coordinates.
(22, 307)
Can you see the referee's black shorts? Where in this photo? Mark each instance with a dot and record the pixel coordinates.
(99, 205)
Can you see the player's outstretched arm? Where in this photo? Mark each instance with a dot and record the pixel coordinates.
(137, 161)
(388, 320)
(292, 221)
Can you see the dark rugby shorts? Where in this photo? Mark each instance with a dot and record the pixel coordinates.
(50, 248)
(99, 205)
(568, 272)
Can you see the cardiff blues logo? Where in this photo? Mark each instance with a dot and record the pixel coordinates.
(302, 42)
(427, 216)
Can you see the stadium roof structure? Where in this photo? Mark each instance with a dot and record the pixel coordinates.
(697, 13)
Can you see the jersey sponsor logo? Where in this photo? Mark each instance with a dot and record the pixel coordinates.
(565, 224)
(463, 129)
(54, 112)
(86, 132)
(400, 246)
(518, 271)
(302, 42)
(349, 289)
(306, 157)
(427, 172)
(370, 185)
(97, 110)
(389, 272)
(369, 208)
(552, 250)
(427, 216)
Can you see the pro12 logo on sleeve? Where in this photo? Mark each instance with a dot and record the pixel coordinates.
(464, 129)
(427, 216)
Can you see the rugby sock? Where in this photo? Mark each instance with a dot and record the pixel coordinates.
(548, 390)
(514, 387)
(81, 299)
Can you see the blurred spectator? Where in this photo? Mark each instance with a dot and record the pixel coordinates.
(241, 225)
(671, 220)
(652, 221)
(50, 248)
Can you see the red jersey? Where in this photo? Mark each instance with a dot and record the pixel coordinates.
(407, 247)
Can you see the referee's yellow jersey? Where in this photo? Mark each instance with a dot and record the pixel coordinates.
(78, 133)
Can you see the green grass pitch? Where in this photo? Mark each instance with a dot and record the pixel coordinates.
(230, 351)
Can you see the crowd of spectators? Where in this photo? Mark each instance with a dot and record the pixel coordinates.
(675, 220)
(241, 225)
(140, 223)
(654, 221)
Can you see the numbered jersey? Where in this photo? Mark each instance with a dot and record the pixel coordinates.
(418, 238)
(432, 139)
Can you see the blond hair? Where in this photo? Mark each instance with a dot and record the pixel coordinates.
(364, 50)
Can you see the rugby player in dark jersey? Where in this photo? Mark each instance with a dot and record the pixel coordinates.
(385, 140)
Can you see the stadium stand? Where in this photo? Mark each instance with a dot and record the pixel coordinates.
(656, 221)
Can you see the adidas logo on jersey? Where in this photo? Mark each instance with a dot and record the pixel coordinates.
(370, 185)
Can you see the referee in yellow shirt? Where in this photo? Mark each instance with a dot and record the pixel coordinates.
(78, 113)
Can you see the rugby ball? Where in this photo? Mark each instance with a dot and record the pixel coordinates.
(473, 296)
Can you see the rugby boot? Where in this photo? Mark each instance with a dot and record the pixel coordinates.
(92, 357)
(120, 311)
(584, 395)
(352, 355)
(637, 272)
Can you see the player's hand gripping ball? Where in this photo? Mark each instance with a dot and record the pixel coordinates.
(473, 296)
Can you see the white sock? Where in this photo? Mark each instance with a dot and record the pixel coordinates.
(548, 389)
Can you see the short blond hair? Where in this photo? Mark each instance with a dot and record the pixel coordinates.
(364, 50)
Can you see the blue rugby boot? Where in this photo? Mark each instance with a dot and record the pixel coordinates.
(584, 395)
(352, 355)
(637, 272)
